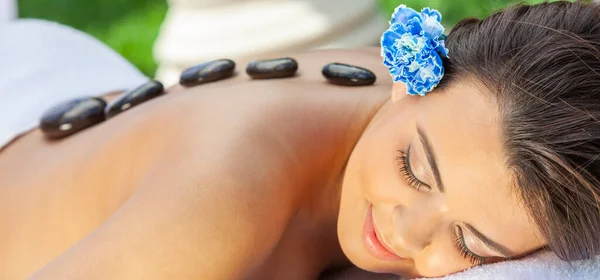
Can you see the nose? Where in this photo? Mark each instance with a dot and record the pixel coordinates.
(415, 226)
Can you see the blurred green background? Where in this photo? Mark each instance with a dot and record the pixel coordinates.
(131, 26)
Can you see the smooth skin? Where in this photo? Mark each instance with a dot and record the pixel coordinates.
(453, 145)
(242, 179)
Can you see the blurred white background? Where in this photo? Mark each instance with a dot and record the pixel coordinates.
(161, 37)
(8, 10)
(199, 30)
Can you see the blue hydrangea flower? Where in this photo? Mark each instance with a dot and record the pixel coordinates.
(412, 48)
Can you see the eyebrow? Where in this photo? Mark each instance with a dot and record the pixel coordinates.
(431, 158)
(505, 252)
(497, 247)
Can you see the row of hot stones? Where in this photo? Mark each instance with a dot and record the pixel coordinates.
(74, 115)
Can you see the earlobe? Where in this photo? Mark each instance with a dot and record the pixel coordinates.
(398, 91)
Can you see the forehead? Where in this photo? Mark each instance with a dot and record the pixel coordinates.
(466, 135)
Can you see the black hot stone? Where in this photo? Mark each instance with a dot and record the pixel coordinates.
(348, 75)
(272, 69)
(72, 116)
(134, 97)
(207, 72)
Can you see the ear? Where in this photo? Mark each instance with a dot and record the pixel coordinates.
(398, 91)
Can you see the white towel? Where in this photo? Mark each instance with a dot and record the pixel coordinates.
(8, 10)
(43, 63)
(543, 265)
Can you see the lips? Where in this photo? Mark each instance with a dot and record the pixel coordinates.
(373, 243)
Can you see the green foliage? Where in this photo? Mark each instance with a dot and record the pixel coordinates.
(131, 26)
(128, 26)
(454, 10)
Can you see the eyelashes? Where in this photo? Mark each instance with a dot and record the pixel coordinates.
(459, 243)
(403, 160)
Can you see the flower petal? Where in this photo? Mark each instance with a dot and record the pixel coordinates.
(415, 27)
(429, 12)
(413, 89)
(441, 48)
(389, 38)
(432, 26)
(412, 48)
(403, 14)
(389, 59)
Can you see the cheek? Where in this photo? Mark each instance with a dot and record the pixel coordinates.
(370, 164)
(353, 208)
(380, 179)
(440, 259)
(370, 178)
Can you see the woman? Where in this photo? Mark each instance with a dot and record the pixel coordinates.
(291, 178)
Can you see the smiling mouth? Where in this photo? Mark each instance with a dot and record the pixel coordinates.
(373, 243)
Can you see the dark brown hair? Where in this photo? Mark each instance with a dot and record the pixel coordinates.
(541, 66)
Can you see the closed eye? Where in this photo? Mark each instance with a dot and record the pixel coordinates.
(405, 169)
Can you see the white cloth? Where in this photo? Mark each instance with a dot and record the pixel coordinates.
(544, 265)
(43, 63)
(8, 10)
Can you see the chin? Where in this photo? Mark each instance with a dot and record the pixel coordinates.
(351, 220)
(352, 217)
(354, 249)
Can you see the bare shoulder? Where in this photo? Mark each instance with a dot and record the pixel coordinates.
(281, 113)
(284, 102)
(222, 163)
(280, 117)
(311, 62)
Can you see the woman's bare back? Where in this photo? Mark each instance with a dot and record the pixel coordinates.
(259, 157)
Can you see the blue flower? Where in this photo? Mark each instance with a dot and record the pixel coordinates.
(412, 48)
